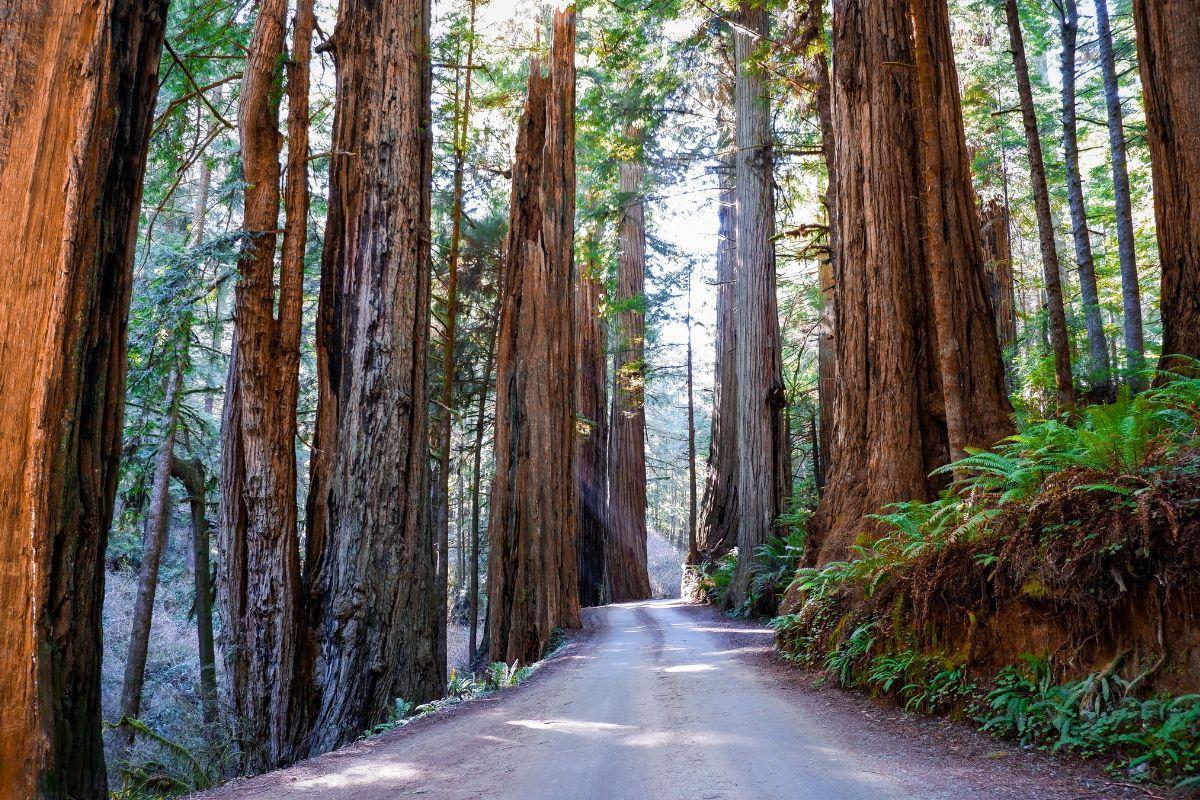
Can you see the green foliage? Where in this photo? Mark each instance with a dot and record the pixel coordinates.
(714, 578)
(1158, 737)
(845, 661)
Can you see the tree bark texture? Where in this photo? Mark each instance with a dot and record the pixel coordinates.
(154, 539)
(1055, 308)
(533, 583)
(1168, 40)
(1131, 293)
(997, 254)
(476, 480)
(1082, 237)
(260, 595)
(591, 453)
(371, 580)
(763, 460)
(626, 548)
(190, 474)
(717, 533)
(889, 412)
(77, 91)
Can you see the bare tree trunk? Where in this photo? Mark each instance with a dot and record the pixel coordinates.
(693, 554)
(477, 468)
(591, 454)
(1041, 196)
(260, 566)
(190, 473)
(462, 128)
(371, 578)
(763, 490)
(533, 583)
(1100, 376)
(1131, 293)
(997, 254)
(625, 553)
(717, 534)
(889, 416)
(77, 91)
(1168, 39)
(1130, 289)
(153, 541)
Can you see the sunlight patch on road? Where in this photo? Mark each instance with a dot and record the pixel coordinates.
(689, 668)
(570, 725)
(364, 775)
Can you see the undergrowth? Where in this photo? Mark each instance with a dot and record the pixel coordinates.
(1067, 517)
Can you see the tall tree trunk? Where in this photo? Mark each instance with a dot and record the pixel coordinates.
(77, 91)
(889, 414)
(591, 454)
(462, 127)
(476, 471)
(260, 564)
(371, 577)
(1041, 197)
(1168, 39)
(533, 583)
(763, 490)
(997, 253)
(1099, 371)
(717, 533)
(1131, 293)
(154, 540)
(626, 551)
(692, 550)
(190, 473)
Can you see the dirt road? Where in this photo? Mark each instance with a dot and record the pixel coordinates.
(666, 701)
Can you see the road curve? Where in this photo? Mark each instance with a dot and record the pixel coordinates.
(666, 701)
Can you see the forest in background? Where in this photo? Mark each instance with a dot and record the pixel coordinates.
(331, 234)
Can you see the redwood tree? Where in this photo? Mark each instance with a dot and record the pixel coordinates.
(77, 91)
(591, 454)
(532, 568)
(371, 577)
(626, 550)
(1168, 39)
(997, 254)
(717, 533)
(889, 413)
(763, 480)
(260, 554)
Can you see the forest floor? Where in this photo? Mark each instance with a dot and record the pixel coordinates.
(672, 701)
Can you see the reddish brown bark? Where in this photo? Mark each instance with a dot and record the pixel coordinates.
(889, 412)
(532, 567)
(997, 254)
(371, 579)
(717, 533)
(1056, 310)
(591, 453)
(763, 455)
(260, 563)
(1168, 40)
(625, 553)
(77, 89)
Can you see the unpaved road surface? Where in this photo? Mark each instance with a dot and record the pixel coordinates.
(666, 701)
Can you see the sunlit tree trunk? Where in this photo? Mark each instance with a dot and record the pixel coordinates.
(371, 579)
(763, 490)
(1168, 38)
(997, 253)
(1055, 307)
(890, 427)
(533, 584)
(626, 547)
(260, 552)
(77, 91)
